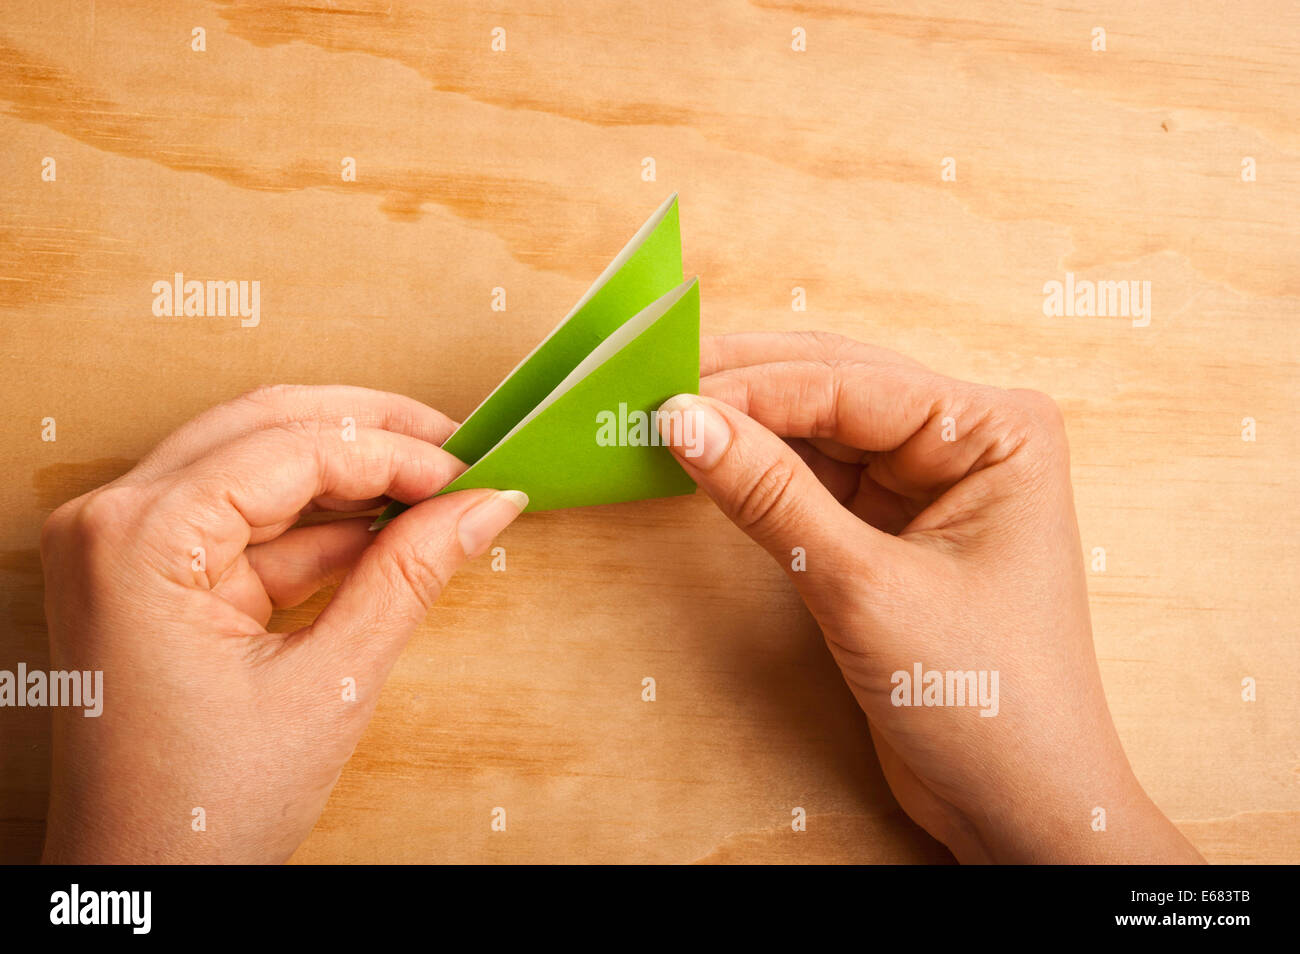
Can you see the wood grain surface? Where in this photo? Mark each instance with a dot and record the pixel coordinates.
(818, 169)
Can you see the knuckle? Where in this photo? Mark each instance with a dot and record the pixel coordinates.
(57, 526)
(1039, 403)
(107, 508)
(420, 571)
(376, 468)
(89, 518)
(1041, 413)
(308, 428)
(830, 344)
(1036, 428)
(297, 437)
(768, 498)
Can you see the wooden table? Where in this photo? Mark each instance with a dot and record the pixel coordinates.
(821, 169)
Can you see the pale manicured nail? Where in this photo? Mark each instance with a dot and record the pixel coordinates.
(695, 431)
(481, 523)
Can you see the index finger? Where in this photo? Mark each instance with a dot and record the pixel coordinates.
(927, 431)
(727, 352)
(254, 488)
(875, 408)
(287, 404)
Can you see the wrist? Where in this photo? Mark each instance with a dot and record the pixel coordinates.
(1106, 820)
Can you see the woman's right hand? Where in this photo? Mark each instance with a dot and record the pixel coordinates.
(936, 524)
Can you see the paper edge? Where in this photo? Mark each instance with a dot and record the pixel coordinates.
(598, 355)
(634, 243)
(615, 265)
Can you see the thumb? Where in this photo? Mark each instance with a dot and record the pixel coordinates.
(400, 575)
(763, 486)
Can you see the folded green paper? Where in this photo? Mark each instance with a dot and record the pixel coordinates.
(573, 425)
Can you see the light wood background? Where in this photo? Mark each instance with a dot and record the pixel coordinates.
(818, 169)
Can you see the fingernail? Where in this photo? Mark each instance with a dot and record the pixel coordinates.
(694, 430)
(480, 524)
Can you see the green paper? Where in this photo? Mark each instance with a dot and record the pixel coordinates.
(629, 344)
(555, 455)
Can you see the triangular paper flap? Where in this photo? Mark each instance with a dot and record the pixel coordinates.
(648, 267)
(594, 440)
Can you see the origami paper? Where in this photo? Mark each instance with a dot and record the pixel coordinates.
(573, 424)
